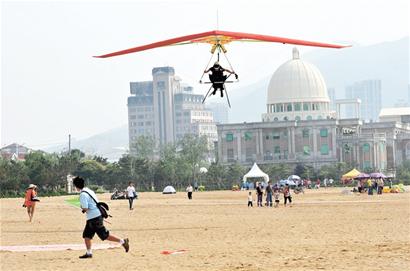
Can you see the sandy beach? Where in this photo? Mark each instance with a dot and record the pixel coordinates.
(324, 230)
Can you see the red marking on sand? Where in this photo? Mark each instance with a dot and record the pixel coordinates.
(57, 247)
(173, 252)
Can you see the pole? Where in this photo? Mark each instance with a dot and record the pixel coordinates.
(69, 143)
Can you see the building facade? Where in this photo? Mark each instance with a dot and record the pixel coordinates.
(166, 110)
(300, 127)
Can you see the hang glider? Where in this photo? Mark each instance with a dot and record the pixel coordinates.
(218, 39)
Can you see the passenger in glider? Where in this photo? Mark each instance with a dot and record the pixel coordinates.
(218, 78)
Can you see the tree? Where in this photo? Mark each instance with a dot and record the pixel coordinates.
(277, 171)
(144, 147)
(235, 173)
(214, 178)
(403, 172)
(13, 176)
(91, 170)
(41, 169)
(193, 151)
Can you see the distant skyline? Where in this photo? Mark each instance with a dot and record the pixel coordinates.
(52, 87)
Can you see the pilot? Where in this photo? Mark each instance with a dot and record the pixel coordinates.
(218, 78)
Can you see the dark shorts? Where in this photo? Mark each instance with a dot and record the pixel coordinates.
(93, 226)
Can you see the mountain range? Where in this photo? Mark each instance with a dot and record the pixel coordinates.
(387, 61)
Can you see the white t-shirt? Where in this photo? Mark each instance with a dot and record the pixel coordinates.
(130, 191)
(189, 189)
(250, 198)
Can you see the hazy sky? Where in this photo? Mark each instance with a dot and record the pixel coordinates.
(51, 86)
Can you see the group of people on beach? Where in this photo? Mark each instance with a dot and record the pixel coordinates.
(370, 185)
(271, 192)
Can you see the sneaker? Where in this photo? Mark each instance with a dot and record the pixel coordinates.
(126, 244)
(85, 256)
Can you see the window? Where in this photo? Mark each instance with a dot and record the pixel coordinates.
(249, 155)
(268, 155)
(279, 108)
(297, 118)
(276, 135)
(133, 117)
(160, 85)
(230, 155)
(248, 136)
(229, 137)
(285, 119)
(366, 164)
(324, 149)
(285, 133)
(275, 119)
(323, 132)
(267, 137)
(305, 133)
(276, 152)
(289, 107)
(306, 107)
(346, 148)
(366, 147)
(309, 117)
(306, 150)
(298, 106)
(285, 154)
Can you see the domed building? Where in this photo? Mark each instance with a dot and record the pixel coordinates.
(299, 127)
(297, 91)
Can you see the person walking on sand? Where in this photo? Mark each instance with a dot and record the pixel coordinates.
(30, 200)
(287, 196)
(131, 194)
(259, 193)
(268, 192)
(250, 199)
(189, 190)
(276, 197)
(95, 221)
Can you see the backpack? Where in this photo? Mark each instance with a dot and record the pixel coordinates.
(102, 206)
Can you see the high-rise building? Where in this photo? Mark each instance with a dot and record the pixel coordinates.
(220, 112)
(332, 96)
(369, 92)
(166, 110)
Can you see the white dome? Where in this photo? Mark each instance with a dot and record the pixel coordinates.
(297, 81)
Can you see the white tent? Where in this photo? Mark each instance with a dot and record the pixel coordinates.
(256, 172)
(169, 190)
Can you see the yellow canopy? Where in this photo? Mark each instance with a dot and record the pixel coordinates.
(351, 174)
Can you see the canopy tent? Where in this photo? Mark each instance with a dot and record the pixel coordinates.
(377, 175)
(169, 190)
(362, 176)
(351, 174)
(256, 172)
